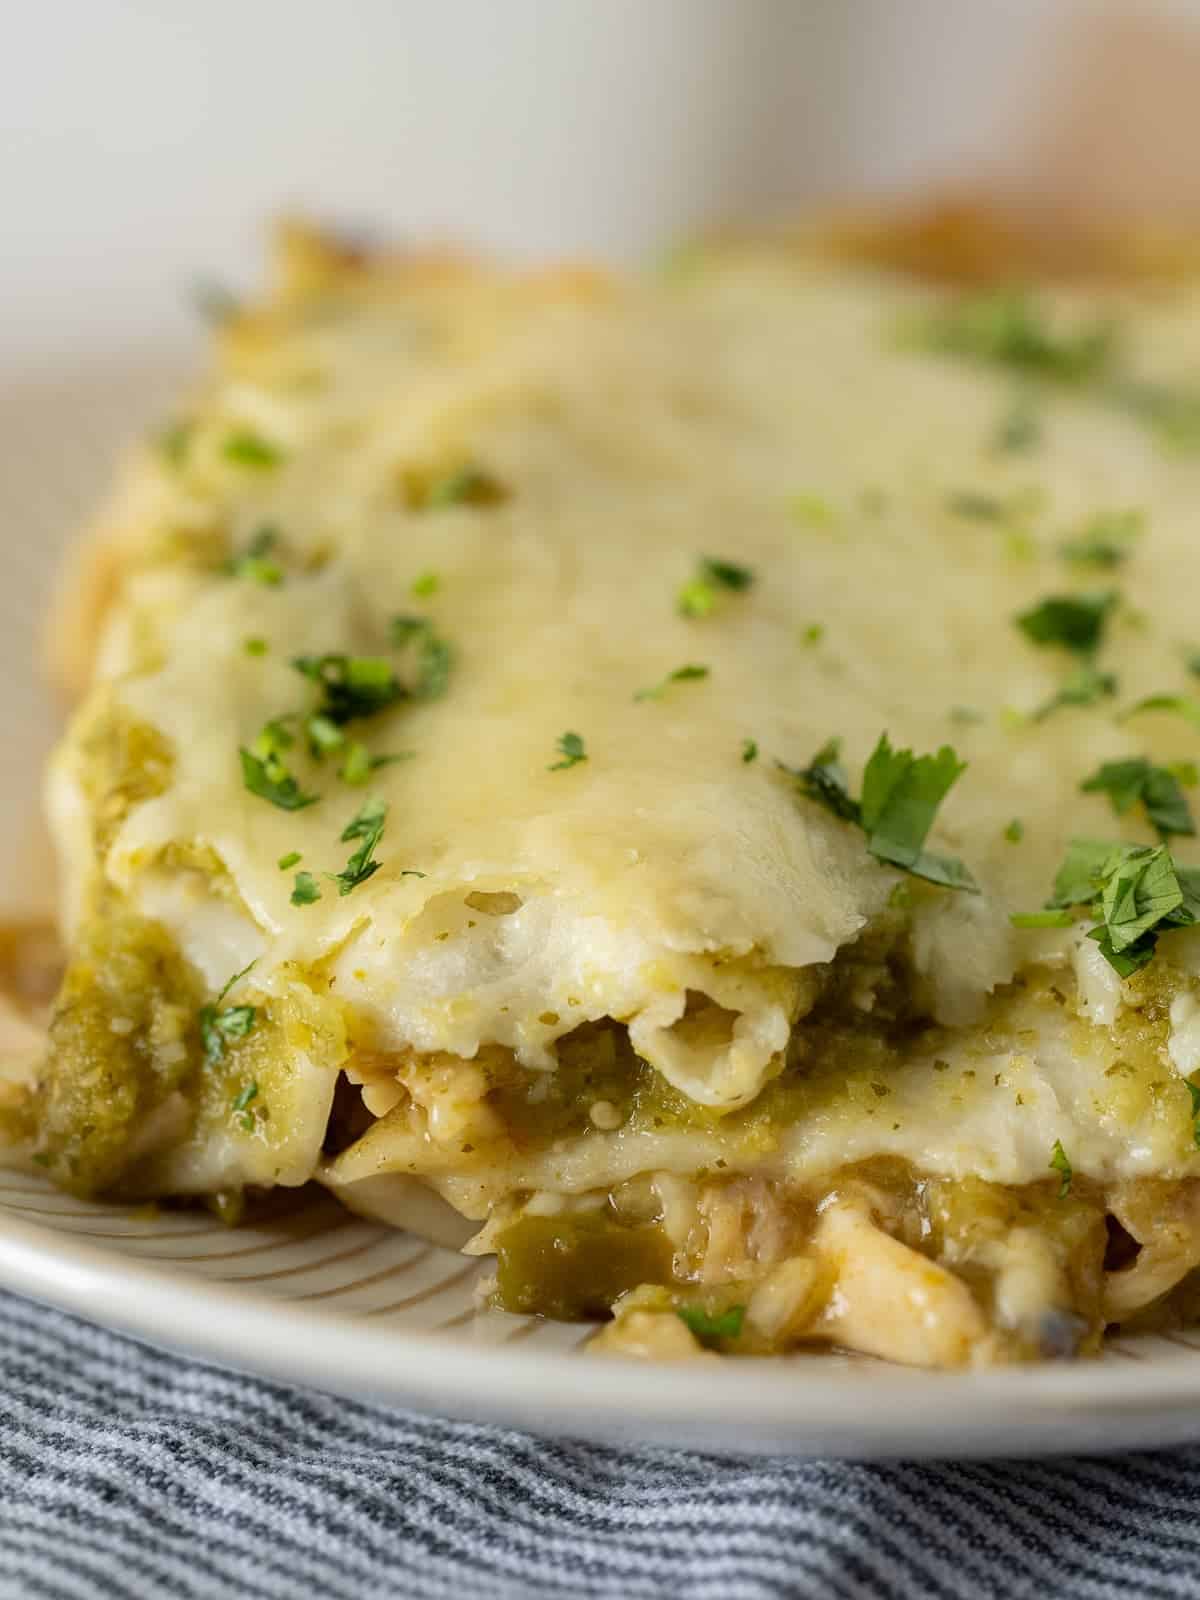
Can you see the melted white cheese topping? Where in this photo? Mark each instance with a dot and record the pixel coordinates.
(762, 414)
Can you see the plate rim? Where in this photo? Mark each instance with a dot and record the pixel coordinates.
(758, 1406)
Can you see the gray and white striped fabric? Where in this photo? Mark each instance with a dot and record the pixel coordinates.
(125, 1471)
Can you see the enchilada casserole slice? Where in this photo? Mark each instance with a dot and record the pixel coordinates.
(683, 784)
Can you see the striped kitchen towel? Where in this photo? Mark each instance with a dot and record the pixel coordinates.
(129, 1472)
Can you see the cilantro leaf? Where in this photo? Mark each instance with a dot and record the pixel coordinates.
(1015, 831)
(305, 889)
(1158, 789)
(271, 780)
(680, 675)
(571, 747)
(323, 734)
(1083, 687)
(434, 657)
(1061, 1165)
(1010, 328)
(749, 750)
(1138, 891)
(1105, 540)
(220, 1024)
(1079, 879)
(708, 1325)
(1041, 919)
(357, 767)
(901, 795)
(247, 449)
(289, 860)
(1073, 621)
(824, 780)
(367, 825)
(255, 561)
(1181, 704)
(352, 686)
(978, 507)
(725, 573)
(698, 597)
(465, 486)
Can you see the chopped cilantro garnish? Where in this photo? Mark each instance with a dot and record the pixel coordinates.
(305, 889)
(1042, 919)
(353, 686)
(1105, 540)
(824, 780)
(367, 825)
(255, 561)
(707, 1325)
(812, 511)
(1009, 328)
(1194, 1094)
(219, 1024)
(570, 746)
(466, 486)
(255, 646)
(813, 633)
(1082, 687)
(1060, 1164)
(428, 583)
(1019, 429)
(367, 820)
(1193, 663)
(1137, 891)
(1181, 704)
(270, 780)
(1015, 831)
(698, 597)
(900, 797)
(357, 767)
(247, 449)
(434, 655)
(1172, 411)
(1157, 788)
(749, 750)
(1073, 621)
(726, 573)
(966, 716)
(323, 735)
(288, 860)
(979, 507)
(680, 675)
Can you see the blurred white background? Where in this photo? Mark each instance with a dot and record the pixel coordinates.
(144, 143)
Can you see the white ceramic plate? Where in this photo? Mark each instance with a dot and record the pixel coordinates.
(317, 1296)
